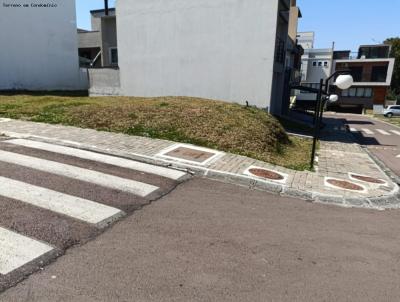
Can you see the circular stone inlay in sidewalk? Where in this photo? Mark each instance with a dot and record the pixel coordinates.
(343, 184)
(367, 179)
(264, 173)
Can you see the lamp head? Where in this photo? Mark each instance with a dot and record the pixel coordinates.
(333, 98)
(344, 81)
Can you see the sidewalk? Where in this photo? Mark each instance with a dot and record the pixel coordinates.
(346, 175)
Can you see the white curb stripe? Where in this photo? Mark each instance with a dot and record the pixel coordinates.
(367, 131)
(75, 207)
(383, 132)
(116, 161)
(395, 132)
(353, 130)
(109, 181)
(17, 250)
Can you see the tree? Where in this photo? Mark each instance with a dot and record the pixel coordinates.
(395, 53)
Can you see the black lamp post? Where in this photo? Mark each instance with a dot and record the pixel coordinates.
(344, 81)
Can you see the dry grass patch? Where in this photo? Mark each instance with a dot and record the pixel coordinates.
(224, 126)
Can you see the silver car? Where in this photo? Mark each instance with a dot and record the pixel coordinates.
(391, 111)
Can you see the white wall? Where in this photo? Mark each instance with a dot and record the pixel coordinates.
(219, 49)
(39, 47)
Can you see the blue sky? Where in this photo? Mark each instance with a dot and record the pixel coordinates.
(347, 22)
(83, 8)
(350, 23)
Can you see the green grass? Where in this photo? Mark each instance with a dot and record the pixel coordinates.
(228, 127)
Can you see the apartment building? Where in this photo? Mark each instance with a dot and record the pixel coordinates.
(372, 71)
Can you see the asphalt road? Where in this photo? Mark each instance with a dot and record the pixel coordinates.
(382, 139)
(209, 241)
(132, 232)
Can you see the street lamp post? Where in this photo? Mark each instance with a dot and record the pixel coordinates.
(343, 81)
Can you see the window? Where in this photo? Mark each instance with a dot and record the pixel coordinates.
(325, 64)
(280, 51)
(319, 64)
(356, 72)
(379, 73)
(368, 92)
(113, 55)
(360, 92)
(314, 64)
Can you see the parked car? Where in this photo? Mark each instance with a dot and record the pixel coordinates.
(391, 111)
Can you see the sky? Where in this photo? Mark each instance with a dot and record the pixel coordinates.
(83, 8)
(348, 23)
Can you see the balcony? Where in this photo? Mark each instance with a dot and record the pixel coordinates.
(374, 72)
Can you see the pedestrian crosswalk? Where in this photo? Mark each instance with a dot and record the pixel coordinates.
(370, 132)
(63, 189)
(110, 181)
(72, 206)
(17, 250)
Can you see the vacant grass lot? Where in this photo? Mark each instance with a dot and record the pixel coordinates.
(228, 127)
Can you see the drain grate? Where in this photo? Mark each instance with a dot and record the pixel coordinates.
(368, 179)
(264, 173)
(344, 184)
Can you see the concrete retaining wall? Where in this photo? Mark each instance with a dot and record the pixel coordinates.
(104, 81)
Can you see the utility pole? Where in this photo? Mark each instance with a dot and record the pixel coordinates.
(106, 10)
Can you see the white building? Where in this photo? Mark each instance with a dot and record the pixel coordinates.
(231, 50)
(316, 64)
(39, 46)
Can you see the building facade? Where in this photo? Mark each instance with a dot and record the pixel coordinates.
(371, 68)
(230, 50)
(372, 71)
(39, 46)
(98, 46)
(316, 64)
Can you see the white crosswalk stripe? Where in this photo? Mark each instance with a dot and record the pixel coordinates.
(383, 132)
(68, 205)
(395, 132)
(109, 181)
(17, 250)
(367, 131)
(353, 130)
(38, 208)
(112, 160)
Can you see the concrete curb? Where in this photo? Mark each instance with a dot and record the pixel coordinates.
(387, 201)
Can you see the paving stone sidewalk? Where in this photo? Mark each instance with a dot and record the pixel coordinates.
(339, 163)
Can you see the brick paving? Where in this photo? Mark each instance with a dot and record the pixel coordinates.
(336, 159)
